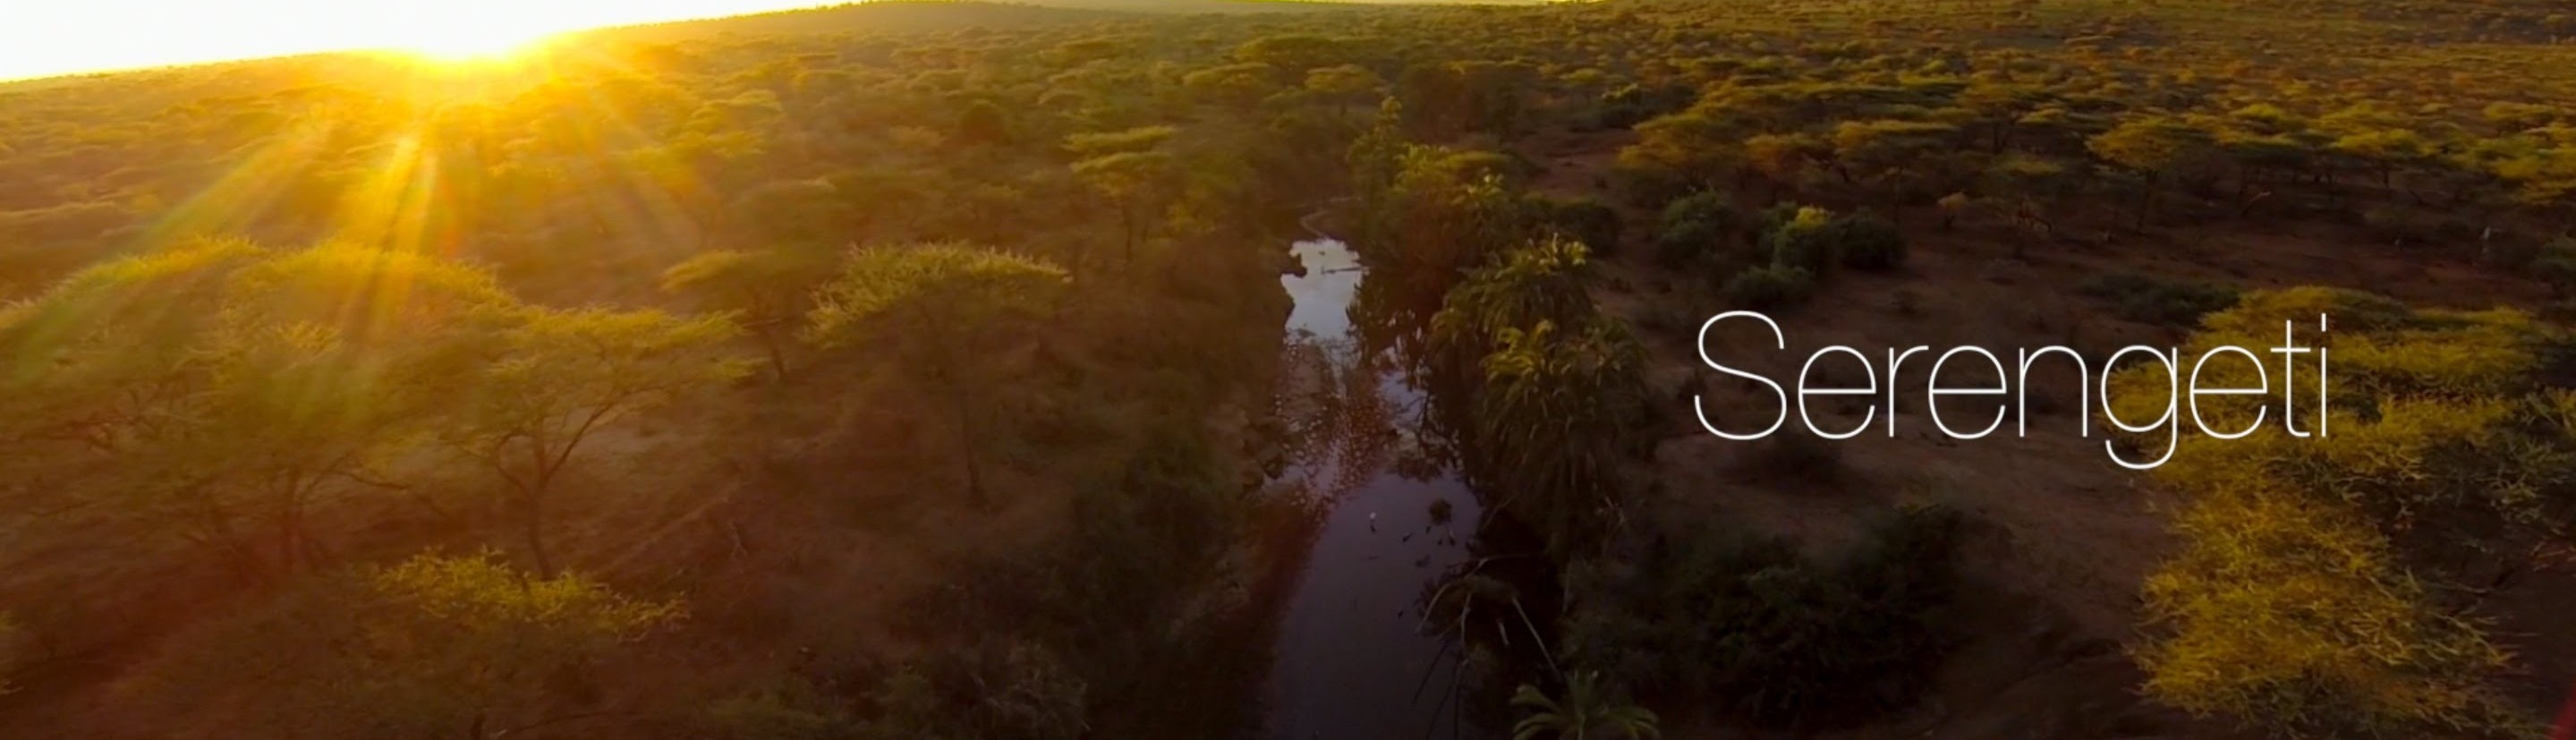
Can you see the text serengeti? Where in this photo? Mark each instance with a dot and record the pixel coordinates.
(2179, 392)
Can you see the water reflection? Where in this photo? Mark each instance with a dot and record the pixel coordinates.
(1353, 660)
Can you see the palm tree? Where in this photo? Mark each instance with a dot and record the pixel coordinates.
(1587, 712)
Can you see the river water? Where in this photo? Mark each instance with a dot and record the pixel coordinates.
(1353, 659)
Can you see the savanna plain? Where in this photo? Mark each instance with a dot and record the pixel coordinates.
(949, 370)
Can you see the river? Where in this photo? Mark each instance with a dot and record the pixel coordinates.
(1352, 659)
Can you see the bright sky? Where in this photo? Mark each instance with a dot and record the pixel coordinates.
(48, 37)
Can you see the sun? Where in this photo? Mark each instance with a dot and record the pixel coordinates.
(468, 43)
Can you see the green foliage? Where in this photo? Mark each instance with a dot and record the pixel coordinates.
(433, 646)
(1588, 711)
(982, 122)
(792, 711)
(1631, 104)
(1692, 151)
(2149, 300)
(1819, 242)
(1141, 138)
(1550, 416)
(205, 385)
(159, 401)
(1769, 286)
(1554, 384)
(1591, 222)
(1439, 210)
(1870, 243)
(1695, 226)
(2556, 266)
(945, 309)
(1346, 84)
(767, 291)
(1543, 281)
(2304, 600)
(795, 212)
(1809, 242)
(927, 287)
(1749, 625)
(2290, 616)
(553, 378)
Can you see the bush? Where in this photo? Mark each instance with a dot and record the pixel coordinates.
(1819, 241)
(1770, 286)
(1750, 624)
(1630, 104)
(792, 711)
(1586, 220)
(1695, 225)
(1771, 219)
(2556, 266)
(1807, 241)
(1686, 243)
(1821, 644)
(1869, 243)
(2162, 302)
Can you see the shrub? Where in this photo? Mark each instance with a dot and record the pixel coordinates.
(2162, 302)
(1749, 623)
(1869, 243)
(1586, 220)
(1770, 286)
(1807, 241)
(792, 711)
(1630, 104)
(2556, 266)
(1693, 226)
(2314, 591)
(431, 647)
(1771, 219)
(1953, 206)
(1686, 243)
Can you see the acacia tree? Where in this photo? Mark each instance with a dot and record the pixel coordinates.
(435, 646)
(218, 383)
(2150, 148)
(1344, 86)
(549, 379)
(2033, 185)
(1682, 153)
(946, 310)
(1895, 156)
(1129, 170)
(2313, 589)
(766, 289)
